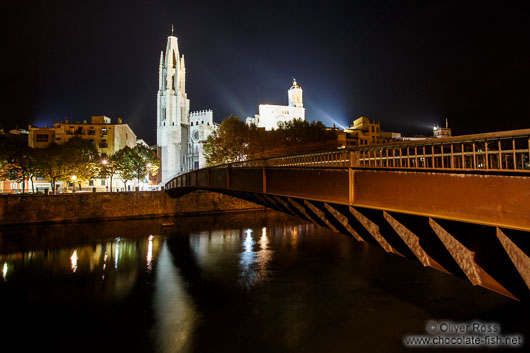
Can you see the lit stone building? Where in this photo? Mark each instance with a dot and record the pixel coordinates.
(201, 126)
(270, 116)
(179, 134)
(438, 131)
(108, 138)
(364, 132)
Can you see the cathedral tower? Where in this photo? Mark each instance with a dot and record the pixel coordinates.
(295, 95)
(173, 108)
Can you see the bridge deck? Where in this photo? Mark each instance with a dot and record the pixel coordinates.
(367, 192)
(481, 179)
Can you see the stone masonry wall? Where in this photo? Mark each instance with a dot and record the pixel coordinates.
(24, 209)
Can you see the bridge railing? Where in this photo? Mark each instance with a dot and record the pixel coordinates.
(501, 151)
(506, 151)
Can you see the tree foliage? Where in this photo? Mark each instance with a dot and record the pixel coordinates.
(235, 141)
(17, 161)
(229, 143)
(145, 161)
(77, 157)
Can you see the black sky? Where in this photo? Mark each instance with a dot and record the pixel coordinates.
(408, 64)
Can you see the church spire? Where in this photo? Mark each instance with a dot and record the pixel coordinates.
(172, 30)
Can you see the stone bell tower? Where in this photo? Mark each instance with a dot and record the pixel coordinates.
(173, 108)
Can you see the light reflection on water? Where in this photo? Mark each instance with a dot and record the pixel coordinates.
(254, 286)
(174, 310)
(149, 257)
(73, 261)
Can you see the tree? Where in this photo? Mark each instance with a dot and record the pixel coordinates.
(124, 160)
(235, 141)
(145, 161)
(50, 165)
(60, 162)
(108, 169)
(17, 161)
(229, 143)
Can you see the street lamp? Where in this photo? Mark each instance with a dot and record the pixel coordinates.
(105, 162)
(74, 178)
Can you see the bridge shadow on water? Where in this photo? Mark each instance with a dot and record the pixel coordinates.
(260, 281)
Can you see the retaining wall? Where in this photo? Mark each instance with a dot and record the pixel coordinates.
(26, 209)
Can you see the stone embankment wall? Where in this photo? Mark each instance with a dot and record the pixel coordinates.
(26, 209)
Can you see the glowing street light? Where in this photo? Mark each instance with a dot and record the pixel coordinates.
(74, 178)
(104, 162)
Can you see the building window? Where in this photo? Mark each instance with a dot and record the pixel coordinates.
(91, 131)
(91, 183)
(102, 182)
(103, 144)
(103, 131)
(42, 138)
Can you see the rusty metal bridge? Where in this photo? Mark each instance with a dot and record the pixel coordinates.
(460, 204)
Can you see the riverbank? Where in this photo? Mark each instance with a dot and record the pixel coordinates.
(40, 209)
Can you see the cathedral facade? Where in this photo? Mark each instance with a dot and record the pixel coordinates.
(180, 134)
(270, 116)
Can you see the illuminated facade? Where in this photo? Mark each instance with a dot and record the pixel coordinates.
(179, 133)
(107, 137)
(201, 126)
(270, 116)
(364, 132)
(438, 131)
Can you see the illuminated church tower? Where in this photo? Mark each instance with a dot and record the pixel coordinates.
(173, 108)
(295, 95)
(270, 117)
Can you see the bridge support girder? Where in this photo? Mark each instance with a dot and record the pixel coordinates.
(465, 258)
(520, 260)
(413, 242)
(344, 221)
(373, 229)
(320, 215)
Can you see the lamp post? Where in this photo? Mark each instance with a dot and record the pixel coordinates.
(148, 165)
(105, 162)
(74, 178)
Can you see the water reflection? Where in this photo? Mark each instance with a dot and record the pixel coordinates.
(254, 262)
(149, 257)
(174, 311)
(73, 261)
(266, 284)
(117, 255)
(89, 262)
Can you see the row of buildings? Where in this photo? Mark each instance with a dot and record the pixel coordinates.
(181, 133)
(106, 136)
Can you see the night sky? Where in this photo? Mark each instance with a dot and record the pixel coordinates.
(407, 64)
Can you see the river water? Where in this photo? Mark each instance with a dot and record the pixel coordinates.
(253, 282)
